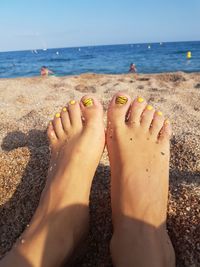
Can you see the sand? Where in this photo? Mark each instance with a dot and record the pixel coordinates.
(27, 104)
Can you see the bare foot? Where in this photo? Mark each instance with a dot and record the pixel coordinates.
(61, 219)
(138, 147)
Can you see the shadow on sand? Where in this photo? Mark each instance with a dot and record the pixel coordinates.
(18, 211)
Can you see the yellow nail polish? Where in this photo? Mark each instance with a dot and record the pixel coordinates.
(88, 102)
(50, 123)
(159, 113)
(149, 107)
(167, 122)
(121, 100)
(140, 99)
(64, 109)
(72, 102)
(57, 115)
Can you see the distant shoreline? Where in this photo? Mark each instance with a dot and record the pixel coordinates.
(103, 74)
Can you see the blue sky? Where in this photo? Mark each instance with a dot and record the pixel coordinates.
(32, 24)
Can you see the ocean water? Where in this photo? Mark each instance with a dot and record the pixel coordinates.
(110, 59)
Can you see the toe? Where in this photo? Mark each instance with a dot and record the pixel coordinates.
(92, 109)
(65, 120)
(165, 132)
(118, 109)
(157, 124)
(147, 117)
(51, 134)
(75, 114)
(57, 125)
(136, 111)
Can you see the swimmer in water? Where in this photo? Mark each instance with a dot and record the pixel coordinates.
(138, 149)
(132, 68)
(44, 71)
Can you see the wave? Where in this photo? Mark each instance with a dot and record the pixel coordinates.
(180, 52)
(56, 60)
(87, 57)
(60, 59)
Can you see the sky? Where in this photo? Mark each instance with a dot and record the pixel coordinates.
(34, 24)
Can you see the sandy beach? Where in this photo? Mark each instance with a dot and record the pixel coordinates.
(26, 106)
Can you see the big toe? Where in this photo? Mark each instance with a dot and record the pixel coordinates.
(92, 111)
(118, 109)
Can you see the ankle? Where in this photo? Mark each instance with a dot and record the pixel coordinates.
(129, 244)
(24, 248)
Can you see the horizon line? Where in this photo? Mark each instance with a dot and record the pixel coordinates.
(96, 45)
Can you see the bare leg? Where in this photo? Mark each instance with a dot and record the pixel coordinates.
(138, 147)
(61, 219)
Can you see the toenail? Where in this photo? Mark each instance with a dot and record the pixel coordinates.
(149, 107)
(88, 102)
(64, 109)
(72, 102)
(140, 99)
(121, 100)
(57, 115)
(166, 122)
(159, 113)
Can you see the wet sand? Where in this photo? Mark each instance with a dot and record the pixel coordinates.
(27, 104)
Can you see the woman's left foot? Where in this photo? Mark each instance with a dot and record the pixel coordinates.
(138, 147)
(77, 140)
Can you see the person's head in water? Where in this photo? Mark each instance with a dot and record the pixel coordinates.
(132, 68)
(44, 71)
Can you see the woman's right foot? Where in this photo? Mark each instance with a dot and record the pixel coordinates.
(62, 217)
(138, 148)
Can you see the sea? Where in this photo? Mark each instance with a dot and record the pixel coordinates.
(106, 59)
